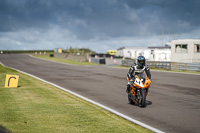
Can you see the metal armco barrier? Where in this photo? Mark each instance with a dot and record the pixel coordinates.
(185, 66)
(128, 62)
(167, 65)
(159, 65)
(98, 60)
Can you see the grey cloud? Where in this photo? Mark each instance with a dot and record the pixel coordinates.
(101, 20)
(171, 15)
(107, 17)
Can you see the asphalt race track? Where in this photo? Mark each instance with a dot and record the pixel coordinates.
(173, 99)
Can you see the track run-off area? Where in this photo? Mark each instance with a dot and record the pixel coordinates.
(173, 102)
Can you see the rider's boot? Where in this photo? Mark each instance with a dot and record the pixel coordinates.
(128, 89)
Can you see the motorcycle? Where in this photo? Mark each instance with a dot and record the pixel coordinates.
(139, 90)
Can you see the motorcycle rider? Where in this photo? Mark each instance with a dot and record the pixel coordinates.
(137, 68)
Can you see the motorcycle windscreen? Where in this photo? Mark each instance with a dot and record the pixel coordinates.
(142, 77)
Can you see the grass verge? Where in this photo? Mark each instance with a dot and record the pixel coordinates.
(65, 60)
(37, 107)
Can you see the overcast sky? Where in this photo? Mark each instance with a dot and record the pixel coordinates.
(96, 24)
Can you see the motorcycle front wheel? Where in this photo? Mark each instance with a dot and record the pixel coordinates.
(143, 98)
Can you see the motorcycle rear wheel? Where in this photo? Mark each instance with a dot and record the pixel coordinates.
(143, 98)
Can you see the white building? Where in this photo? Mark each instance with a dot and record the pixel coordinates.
(150, 53)
(187, 50)
(133, 52)
(160, 53)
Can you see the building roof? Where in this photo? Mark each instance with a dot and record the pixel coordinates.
(184, 41)
(151, 47)
(160, 47)
(132, 47)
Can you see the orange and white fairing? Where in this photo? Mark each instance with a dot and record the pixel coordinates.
(139, 82)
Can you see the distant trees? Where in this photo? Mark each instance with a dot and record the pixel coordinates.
(81, 51)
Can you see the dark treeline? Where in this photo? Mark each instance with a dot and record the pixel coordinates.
(25, 51)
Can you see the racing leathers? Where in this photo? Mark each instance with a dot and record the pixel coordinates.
(134, 70)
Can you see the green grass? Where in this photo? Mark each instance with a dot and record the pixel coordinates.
(162, 70)
(37, 107)
(64, 60)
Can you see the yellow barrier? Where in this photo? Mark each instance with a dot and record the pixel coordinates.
(11, 81)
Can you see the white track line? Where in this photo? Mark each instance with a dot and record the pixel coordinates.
(93, 102)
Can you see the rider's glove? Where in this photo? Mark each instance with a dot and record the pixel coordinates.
(132, 80)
